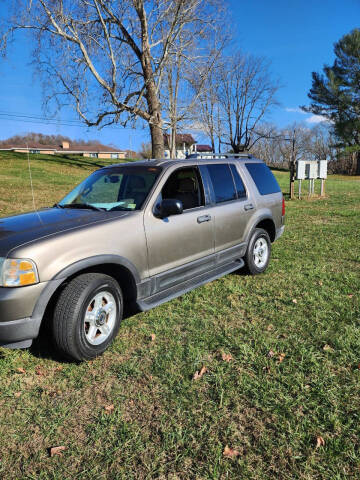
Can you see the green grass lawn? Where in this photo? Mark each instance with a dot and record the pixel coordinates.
(281, 351)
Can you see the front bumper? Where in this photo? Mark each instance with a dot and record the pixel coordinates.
(18, 325)
(19, 333)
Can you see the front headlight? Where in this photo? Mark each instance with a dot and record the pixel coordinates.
(17, 272)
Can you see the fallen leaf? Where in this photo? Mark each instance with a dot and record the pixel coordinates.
(57, 450)
(17, 394)
(321, 283)
(294, 300)
(327, 348)
(320, 442)
(267, 369)
(281, 357)
(109, 409)
(227, 357)
(21, 370)
(153, 337)
(270, 354)
(350, 295)
(38, 371)
(270, 327)
(198, 374)
(58, 369)
(230, 452)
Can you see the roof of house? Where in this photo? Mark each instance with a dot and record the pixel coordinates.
(180, 139)
(203, 148)
(30, 146)
(97, 148)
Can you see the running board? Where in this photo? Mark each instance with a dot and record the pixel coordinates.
(148, 303)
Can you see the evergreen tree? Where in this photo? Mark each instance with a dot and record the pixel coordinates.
(335, 93)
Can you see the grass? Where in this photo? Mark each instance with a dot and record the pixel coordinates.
(294, 374)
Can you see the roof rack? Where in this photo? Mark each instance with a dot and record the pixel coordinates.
(219, 155)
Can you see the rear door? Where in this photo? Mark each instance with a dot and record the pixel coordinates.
(232, 208)
(180, 246)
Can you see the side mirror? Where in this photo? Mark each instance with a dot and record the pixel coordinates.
(170, 206)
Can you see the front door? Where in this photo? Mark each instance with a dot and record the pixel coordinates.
(180, 246)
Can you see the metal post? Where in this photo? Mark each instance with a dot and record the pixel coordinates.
(322, 192)
(299, 189)
(292, 167)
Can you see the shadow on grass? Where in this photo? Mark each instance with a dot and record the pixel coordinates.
(279, 169)
(44, 347)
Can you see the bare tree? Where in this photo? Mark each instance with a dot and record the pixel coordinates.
(268, 145)
(246, 93)
(194, 56)
(107, 57)
(208, 117)
(316, 143)
(323, 142)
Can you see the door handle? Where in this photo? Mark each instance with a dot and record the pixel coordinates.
(204, 218)
(249, 206)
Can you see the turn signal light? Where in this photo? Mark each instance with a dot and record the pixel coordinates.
(18, 272)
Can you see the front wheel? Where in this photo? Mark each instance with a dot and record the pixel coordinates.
(258, 252)
(87, 316)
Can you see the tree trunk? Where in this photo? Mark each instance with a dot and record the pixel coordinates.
(156, 131)
(157, 140)
(173, 143)
(152, 98)
(357, 163)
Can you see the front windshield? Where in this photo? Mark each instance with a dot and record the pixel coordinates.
(117, 188)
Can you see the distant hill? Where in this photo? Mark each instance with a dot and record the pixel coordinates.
(40, 138)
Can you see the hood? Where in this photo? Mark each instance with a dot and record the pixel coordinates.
(24, 228)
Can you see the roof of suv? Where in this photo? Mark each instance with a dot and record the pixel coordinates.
(167, 162)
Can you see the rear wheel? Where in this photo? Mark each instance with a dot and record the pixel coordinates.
(258, 252)
(87, 316)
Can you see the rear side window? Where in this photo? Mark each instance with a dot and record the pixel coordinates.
(240, 188)
(264, 179)
(223, 182)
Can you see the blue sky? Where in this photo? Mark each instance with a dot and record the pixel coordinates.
(296, 36)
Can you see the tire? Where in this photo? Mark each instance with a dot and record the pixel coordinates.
(257, 263)
(87, 316)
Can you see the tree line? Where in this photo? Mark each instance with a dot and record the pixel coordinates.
(42, 139)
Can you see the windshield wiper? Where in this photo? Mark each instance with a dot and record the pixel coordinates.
(119, 207)
(57, 205)
(82, 205)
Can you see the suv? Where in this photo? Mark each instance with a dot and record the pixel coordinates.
(137, 234)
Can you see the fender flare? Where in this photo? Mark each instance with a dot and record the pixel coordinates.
(72, 269)
(256, 222)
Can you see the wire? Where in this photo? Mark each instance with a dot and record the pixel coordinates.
(24, 118)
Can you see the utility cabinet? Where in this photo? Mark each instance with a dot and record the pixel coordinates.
(322, 169)
(307, 169)
(311, 170)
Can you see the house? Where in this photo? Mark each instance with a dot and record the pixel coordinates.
(97, 151)
(203, 149)
(185, 145)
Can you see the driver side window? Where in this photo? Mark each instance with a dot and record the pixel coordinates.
(185, 185)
